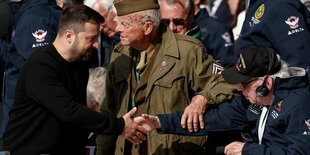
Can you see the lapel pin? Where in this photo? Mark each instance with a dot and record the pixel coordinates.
(163, 63)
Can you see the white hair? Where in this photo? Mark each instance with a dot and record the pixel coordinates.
(286, 71)
(152, 15)
(108, 5)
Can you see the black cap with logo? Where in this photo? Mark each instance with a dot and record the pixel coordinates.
(253, 62)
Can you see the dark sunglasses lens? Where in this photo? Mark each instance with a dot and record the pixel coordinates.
(178, 21)
(166, 21)
(175, 21)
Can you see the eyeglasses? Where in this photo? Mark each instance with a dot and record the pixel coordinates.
(175, 21)
(244, 84)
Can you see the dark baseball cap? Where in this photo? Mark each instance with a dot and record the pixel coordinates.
(253, 62)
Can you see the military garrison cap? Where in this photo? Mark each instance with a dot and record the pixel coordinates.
(125, 7)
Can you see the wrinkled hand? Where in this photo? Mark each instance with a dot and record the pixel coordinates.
(234, 148)
(132, 131)
(148, 122)
(193, 112)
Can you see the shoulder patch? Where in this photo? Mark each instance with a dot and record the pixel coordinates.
(39, 35)
(308, 123)
(217, 69)
(292, 22)
(260, 11)
(307, 132)
(226, 36)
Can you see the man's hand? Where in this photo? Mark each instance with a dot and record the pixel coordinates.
(148, 122)
(132, 131)
(234, 148)
(193, 112)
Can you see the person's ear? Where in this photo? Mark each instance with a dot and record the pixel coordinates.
(269, 82)
(69, 36)
(148, 27)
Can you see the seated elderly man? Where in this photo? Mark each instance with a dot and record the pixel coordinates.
(274, 107)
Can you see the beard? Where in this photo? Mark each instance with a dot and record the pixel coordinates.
(76, 52)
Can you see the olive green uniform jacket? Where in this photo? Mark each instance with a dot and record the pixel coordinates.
(180, 71)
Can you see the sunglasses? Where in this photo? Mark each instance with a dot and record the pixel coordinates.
(244, 84)
(175, 21)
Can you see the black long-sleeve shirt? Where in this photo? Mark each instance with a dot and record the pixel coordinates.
(49, 114)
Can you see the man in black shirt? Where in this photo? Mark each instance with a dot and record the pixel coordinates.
(49, 114)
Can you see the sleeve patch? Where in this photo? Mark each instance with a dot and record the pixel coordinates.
(217, 69)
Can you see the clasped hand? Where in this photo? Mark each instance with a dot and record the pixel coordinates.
(192, 116)
(133, 131)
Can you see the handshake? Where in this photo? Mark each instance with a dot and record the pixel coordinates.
(192, 118)
(136, 127)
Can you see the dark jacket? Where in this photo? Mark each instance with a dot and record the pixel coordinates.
(6, 20)
(216, 36)
(279, 24)
(287, 129)
(35, 25)
(221, 12)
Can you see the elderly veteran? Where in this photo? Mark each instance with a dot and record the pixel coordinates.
(274, 107)
(159, 72)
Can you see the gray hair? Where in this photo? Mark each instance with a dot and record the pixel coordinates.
(108, 5)
(189, 4)
(287, 72)
(152, 15)
(96, 85)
